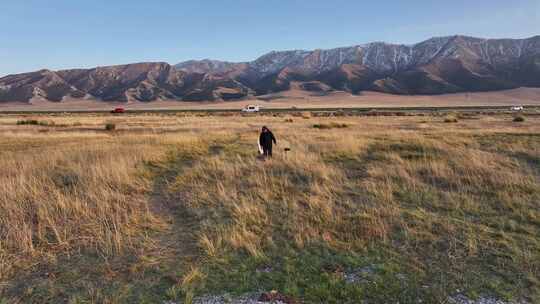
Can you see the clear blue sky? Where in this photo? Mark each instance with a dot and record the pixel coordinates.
(58, 34)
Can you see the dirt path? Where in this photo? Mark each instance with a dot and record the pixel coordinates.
(177, 245)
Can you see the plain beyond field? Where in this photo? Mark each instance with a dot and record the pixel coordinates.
(297, 99)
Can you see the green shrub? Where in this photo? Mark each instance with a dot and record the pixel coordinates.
(47, 123)
(321, 126)
(28, 122)
(331, 125)
(110, 126)
(519, 118)
(43, 123)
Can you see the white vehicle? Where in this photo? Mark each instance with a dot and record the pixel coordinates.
(251, 108)
(517, 108)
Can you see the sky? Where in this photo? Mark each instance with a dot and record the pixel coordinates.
(61, 34)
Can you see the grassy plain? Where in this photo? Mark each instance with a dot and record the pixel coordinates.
(172, 207)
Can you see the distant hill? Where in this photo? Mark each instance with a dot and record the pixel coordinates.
(435, 66)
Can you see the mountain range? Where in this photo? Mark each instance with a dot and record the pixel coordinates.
(435, 66)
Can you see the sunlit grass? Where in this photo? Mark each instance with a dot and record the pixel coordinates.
(175, 207)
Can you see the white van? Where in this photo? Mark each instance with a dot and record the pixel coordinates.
(516, 108)
(251, 108)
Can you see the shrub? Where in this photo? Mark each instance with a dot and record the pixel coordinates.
(339, 113)
(289, 120)
(43, 123)
(28, 122)
(519, 118)
(47, 123)
(110, 126)
(450, 119)
(331, 125)
(467, 116)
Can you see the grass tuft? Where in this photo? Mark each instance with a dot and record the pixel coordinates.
(110, 126)
(28, 122)
(331, 125)
(519, 118)
(450, 119)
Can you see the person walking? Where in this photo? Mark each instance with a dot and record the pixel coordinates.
(266, 139)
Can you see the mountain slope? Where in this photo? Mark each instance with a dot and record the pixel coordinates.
(435, 66)
(140, 81)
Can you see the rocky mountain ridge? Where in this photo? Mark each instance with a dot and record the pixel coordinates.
(435, 66)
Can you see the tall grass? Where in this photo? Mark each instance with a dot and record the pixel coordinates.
(450, 202)
(87, 196)
(455, 204)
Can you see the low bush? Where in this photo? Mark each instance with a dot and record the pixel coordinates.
(519, 118)
(332, 125)
(467, 116)
(339, 113)
(28, 122)
(43, 123)
(47, 123)
(450, 119)
(110, 126)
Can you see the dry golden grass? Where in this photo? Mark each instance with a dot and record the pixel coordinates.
(63, 192)
(456, 199)
(73, 195)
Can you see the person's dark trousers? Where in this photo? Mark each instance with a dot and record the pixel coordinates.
(267, 151)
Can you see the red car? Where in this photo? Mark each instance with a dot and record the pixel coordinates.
(118, 110)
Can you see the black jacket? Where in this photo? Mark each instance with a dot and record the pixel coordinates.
(266, 139)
